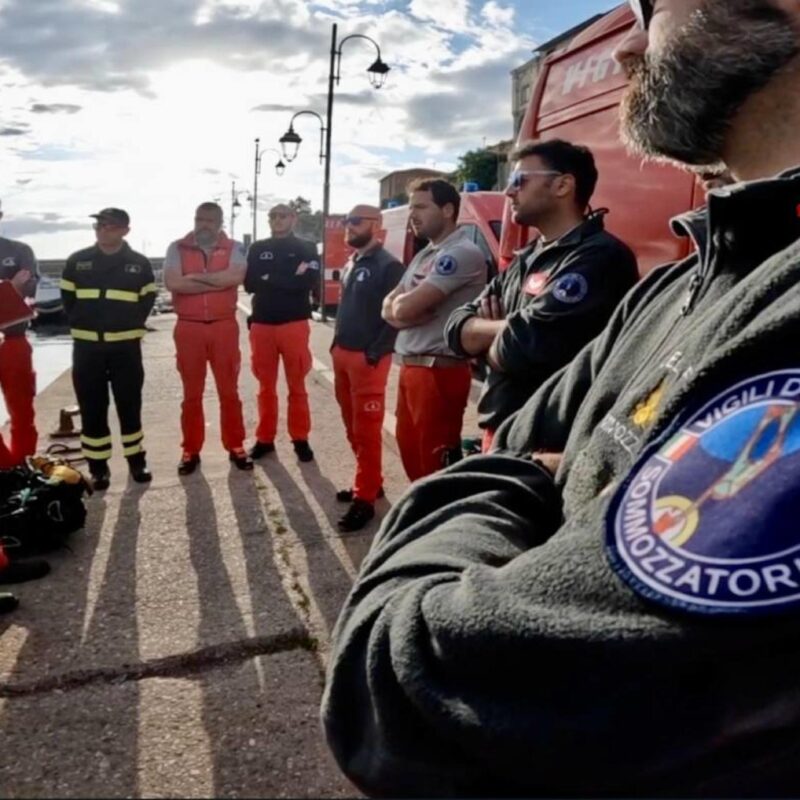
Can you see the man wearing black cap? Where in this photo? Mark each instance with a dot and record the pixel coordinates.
(108, 290)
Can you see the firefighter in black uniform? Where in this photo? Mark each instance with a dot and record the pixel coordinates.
(108, 291)
(556, 295)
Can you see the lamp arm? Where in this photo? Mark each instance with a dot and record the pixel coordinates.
(338, 76)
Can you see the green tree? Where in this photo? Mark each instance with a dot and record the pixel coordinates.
(478, 166)
(309, 222)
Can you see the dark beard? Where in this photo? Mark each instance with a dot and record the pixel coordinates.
(681, 104)
(359, 240)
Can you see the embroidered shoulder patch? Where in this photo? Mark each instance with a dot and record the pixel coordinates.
(572, 288)
(446, 265)
(708, 520)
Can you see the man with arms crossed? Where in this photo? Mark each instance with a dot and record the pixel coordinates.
(629, 627)
(203, 271)
(434, 381)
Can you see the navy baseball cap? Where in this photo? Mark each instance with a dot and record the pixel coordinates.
(116, 216)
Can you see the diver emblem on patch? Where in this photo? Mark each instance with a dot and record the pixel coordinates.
(707, 522)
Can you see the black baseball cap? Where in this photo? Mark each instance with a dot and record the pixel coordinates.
(116, 216)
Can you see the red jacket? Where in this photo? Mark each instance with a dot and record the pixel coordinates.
(209, 306)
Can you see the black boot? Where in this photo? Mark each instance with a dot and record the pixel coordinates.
(303, 450)
(7, 602)
(261, 449)
(22, 571)
(101, 475)
(357, 516)
(138, 468)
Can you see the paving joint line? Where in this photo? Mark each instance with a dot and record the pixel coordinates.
(175, 666)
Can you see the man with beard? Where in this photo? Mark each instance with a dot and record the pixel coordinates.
(556, 295)
(629, 625)
(434, 381)
(203, 271)
(361, 350)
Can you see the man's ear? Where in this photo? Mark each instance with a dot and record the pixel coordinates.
(565, 185)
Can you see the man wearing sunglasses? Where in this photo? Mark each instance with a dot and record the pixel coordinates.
(204, 270)
(281, 273)
(108, 291)
(361, 351)
(556, 295)
(629, 626)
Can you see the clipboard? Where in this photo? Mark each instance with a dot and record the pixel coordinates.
(13, 309)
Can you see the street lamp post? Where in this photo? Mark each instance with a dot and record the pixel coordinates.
(290, 141)
(235, 204)
(280, 168)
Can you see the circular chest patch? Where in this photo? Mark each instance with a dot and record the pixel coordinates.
(572, 288)
(708, 520)
(362, 274)
(446, 265)
(267, 255)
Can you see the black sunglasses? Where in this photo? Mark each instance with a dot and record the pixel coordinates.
(355, 221)
(643, 11)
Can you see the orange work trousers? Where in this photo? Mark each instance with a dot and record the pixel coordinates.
(270, 344)
(361, 394)
(18, 383)
(199, 344)
(430, 410)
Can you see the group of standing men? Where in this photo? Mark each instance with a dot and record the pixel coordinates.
(435, 316)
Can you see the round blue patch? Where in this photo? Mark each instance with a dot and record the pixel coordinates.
(572, 288)
(707, 522)
(446, 265)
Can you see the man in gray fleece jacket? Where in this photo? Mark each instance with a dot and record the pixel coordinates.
(629, 625)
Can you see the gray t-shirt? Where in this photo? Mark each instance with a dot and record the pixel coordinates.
(16, 256)
(455, 266)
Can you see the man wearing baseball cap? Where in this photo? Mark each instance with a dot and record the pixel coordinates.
(108, 291)
(608, 604)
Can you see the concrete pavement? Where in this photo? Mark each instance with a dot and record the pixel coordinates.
(178, 647)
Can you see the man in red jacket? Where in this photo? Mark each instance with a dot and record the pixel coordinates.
(203, 271)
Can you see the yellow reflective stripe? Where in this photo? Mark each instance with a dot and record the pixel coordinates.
(119, 294)
(67, 286)
(86, 336)
(132, 450)
(87, 440)
(88, 294)
(97, 455)
(123, 336)
(132, 437)
(151, 288)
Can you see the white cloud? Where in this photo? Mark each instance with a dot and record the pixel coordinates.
(155, 107)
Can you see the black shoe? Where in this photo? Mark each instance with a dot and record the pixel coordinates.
(7, 602)
(304, 452)
(138, 469)
(188, 463)
(21, 571)
(261, 449)
(357, 516)
(346, 495)
(241, 459)
(101, 475)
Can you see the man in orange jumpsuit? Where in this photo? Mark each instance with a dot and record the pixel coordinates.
(434, 380)
(17, 378)
(203, 271)
(362, 347)
(281, 272)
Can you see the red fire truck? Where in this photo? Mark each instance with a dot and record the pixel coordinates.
(577, 98)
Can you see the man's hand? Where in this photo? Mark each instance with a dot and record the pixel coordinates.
(491, 307)
(20, 280)
(302, 268)
(550, 461)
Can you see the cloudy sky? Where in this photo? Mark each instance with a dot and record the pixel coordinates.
(153, 105)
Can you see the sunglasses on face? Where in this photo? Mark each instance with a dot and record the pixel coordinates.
(355, 221)
(519, 177)
(643, 11)
(278, 215)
